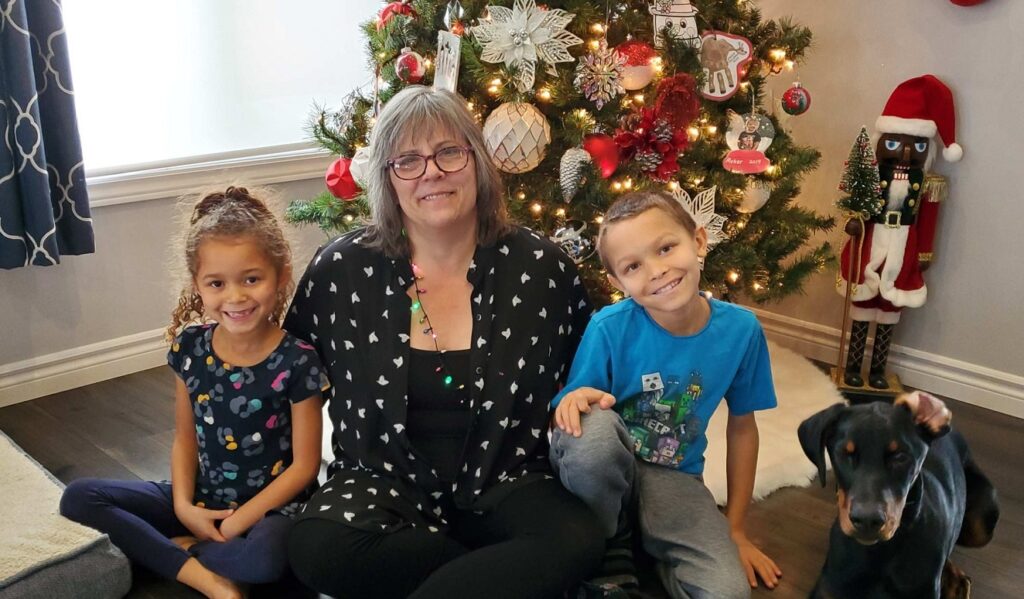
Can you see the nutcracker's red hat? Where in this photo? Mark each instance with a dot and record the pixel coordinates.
(923, 106)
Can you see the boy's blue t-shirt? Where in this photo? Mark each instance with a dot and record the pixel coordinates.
(667, 386)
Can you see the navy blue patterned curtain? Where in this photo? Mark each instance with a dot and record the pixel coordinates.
(44, 208)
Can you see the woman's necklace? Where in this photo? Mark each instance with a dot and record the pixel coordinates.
(417, 306)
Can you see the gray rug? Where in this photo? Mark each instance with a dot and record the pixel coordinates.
(43, 554)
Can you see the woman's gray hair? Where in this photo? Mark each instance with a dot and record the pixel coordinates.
(420, 110)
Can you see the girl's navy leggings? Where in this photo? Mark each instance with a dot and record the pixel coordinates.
(139, 518)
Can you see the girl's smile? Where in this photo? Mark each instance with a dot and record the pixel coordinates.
(239, 285)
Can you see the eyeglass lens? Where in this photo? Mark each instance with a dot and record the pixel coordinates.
(448, 160)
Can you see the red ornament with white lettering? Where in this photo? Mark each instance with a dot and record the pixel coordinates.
(796, 100)
(409, 66)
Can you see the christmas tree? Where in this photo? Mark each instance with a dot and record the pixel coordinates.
(860, 180)
(581, 101)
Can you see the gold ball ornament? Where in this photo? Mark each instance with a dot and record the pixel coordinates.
(517, 135)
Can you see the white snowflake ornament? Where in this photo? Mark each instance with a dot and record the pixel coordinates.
(524, 34)
(599, 75)
(702, 208)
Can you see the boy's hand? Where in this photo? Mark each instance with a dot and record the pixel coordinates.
(567, 414)
(929, 411)
(755, 562)
(202, 522)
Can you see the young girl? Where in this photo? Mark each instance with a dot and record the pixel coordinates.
(246, 447)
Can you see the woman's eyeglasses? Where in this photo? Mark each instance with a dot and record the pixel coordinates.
(447, 160)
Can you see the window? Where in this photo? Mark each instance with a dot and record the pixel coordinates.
(161, 83)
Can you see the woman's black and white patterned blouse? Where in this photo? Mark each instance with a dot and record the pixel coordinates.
(529, 311)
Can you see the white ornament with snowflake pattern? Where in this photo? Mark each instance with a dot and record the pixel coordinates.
(702, 208)
(517, 135)
(522, 35)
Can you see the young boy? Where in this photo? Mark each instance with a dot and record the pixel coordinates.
(664, 359)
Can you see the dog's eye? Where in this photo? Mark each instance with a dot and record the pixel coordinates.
(899, 458)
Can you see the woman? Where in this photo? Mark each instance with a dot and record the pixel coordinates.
(446, 331)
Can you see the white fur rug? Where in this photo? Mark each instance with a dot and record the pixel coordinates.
(34, 533)
(802, 389)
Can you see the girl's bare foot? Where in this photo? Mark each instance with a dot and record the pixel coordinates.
(208, 583)
(184, 542)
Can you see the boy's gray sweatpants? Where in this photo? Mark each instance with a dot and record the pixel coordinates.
(680, 525)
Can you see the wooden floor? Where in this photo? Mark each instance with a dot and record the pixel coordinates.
(123, 429)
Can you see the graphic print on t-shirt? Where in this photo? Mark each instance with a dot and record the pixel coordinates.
(661, 418)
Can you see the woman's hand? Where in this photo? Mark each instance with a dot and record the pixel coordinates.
(201, 521)
(567, 414)
(755, 563)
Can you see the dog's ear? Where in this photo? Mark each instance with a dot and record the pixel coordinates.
(815, 432)
(930, 414)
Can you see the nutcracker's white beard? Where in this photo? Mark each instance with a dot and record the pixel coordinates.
(898, 191)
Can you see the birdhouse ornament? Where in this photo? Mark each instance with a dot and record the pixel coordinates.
(679, 16)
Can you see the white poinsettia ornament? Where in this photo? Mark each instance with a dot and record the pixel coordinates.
(702, 208)
(522, 35)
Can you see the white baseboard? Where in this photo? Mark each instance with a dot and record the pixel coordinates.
(992, 389)
(977, 385)
(77, 367)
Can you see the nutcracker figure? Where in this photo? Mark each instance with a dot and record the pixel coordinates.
(889, 252)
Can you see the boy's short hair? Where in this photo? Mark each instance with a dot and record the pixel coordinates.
(632, 205)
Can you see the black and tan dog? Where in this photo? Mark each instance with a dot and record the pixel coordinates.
(907, 490)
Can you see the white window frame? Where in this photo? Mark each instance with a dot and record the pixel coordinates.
(171, 178)
(161, 179)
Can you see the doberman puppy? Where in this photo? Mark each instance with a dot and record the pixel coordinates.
(907, 491)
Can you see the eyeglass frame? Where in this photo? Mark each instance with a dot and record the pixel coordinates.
(467, 150)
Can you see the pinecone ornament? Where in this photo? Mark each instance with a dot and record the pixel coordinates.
(662, 131)
(570, 171)
(648, 160)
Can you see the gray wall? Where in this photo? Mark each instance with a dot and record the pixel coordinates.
(120, 290)
(861, 51)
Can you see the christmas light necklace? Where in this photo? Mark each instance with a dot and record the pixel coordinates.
(417, 305)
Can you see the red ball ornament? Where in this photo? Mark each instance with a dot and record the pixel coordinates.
(339, 179)
(638, 71)
(966, 2)
(409, 66)
(796, 100)
(603, 151)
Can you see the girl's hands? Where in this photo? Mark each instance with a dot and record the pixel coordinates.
(202, 522)
(236, 525)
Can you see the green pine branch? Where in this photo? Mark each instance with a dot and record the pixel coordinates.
(767, 255)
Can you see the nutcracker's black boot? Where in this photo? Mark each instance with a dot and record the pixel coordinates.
(879, 356)
(855, 353)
